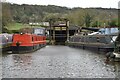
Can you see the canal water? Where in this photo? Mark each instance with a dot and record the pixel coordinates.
(58, 62)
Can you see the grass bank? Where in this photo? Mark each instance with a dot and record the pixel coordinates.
(17, 26)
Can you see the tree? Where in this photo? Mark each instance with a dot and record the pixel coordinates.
(112, 23)
(96, 24)
(77, 16)
(52, 16)
(88, 20)
(6, 14)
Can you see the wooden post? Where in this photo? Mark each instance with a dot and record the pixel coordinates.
(67, 26)
(50, 23)
(53, 35)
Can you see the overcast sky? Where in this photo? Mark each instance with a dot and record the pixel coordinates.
(71, 3)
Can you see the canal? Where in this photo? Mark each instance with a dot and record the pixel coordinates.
(58, 62)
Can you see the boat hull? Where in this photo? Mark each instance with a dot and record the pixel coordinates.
(102, 48)
(26, 49)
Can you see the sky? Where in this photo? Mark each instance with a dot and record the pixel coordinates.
(71, 3)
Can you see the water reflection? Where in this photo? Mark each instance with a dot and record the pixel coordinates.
(22, 59)
(59, 61)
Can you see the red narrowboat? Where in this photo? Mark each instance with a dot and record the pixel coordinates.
(28, 42)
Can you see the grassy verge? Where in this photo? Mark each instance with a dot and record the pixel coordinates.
(17, 26)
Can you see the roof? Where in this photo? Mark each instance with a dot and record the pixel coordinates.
(91, 29)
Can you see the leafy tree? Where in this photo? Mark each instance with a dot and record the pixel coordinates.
(96, 24)
(6, 14)
(77, 16)
(88, 20)
(112, 23)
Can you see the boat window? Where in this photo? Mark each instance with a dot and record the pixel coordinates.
(32, 38)
(36, 38)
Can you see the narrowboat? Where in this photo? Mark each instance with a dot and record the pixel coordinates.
(28, 42)
(101, 40)
(116, 53)
(117, 47)
(5, 42)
